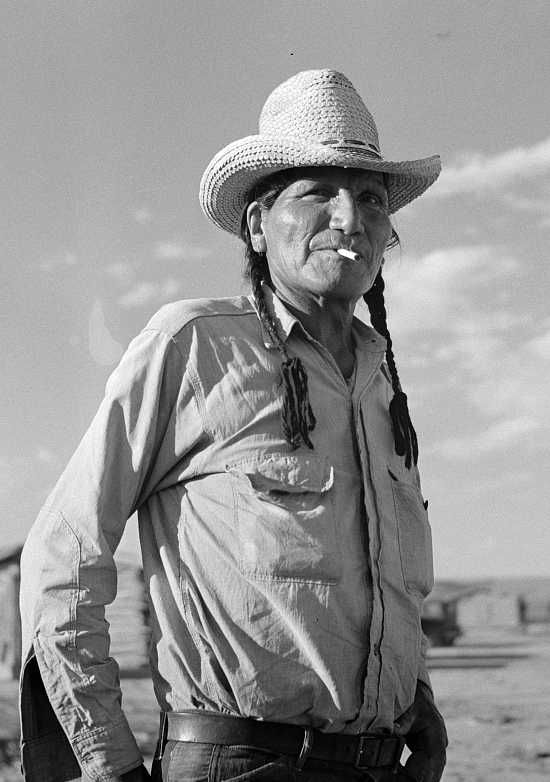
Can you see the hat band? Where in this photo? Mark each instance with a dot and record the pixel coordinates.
(345, 144)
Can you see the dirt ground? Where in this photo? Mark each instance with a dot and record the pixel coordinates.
(498, 718)
(493, 690)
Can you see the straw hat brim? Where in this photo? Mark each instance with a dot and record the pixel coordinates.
(233, 172)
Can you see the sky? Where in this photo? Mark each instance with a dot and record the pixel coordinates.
(111, 112)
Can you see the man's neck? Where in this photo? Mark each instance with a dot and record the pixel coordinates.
(328, 322)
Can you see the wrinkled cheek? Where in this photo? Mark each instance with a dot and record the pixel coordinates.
(296, 248)
(299, 235)
(288, 243)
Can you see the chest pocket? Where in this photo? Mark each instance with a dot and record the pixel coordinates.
(285, 518)
(415, 537)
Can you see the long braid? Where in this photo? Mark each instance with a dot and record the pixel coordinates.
(297, 416)
(404, 435)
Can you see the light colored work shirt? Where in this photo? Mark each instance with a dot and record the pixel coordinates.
(284, 585)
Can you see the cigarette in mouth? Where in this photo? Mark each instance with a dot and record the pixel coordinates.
(348, 254)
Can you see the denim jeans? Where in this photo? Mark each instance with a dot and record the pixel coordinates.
(194, 762)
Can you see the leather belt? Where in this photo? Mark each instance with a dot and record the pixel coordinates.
(363, 751)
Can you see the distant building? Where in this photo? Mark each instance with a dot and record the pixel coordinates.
(440, 612)
(489, 609)
(10, 620)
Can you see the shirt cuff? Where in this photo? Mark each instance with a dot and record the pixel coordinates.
(105, 753)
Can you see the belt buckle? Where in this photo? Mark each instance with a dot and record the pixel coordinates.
(367, 752)
(373, 751)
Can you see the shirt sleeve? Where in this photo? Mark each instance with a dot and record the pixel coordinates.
(68, 573)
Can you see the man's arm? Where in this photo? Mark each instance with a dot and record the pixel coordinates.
(68, 573)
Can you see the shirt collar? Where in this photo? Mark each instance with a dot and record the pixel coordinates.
(365, 337)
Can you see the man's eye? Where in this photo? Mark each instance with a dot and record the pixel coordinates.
(371, 198)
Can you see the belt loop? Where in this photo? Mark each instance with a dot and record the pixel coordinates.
(307, 746)
(163, 733)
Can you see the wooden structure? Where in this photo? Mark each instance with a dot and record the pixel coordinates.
(128, 616)
(10, 620)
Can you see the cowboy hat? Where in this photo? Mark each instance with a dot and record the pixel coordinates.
(315, 118)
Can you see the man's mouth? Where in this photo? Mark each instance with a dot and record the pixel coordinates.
(333, 240)
(345, 252)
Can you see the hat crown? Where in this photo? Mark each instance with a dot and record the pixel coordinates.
(315, 118)
(319, 106)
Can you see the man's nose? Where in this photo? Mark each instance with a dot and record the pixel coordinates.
(346, 215)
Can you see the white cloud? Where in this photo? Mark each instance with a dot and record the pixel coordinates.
(527, 203)
(148, 290)
(469, 350)
(507, 381)
(139, 294)
(53, 262)
(168, 251)
(438, 291)
(104, 349)
(537, 205)
(510, 384)
(121, 271)
(498, 435)
(463, 335)
(143, 215)
(45, 455)
(179, 251)
(540, 346)
(476, 172)
(491, 484)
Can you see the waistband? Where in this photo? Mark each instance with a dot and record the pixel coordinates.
(363, 751)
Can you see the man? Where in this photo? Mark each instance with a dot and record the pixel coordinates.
(270, 454)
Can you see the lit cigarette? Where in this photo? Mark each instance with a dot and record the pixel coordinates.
(348, 254)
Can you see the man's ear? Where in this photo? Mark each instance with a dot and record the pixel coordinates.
(255, 228)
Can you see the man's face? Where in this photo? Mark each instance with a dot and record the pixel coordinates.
(324, 209)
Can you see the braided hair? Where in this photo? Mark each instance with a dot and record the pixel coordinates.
(404, 435)
(297, 416)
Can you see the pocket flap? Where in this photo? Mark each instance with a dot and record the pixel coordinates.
(286, 472)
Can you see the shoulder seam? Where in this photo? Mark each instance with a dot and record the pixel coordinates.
(172, 337)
